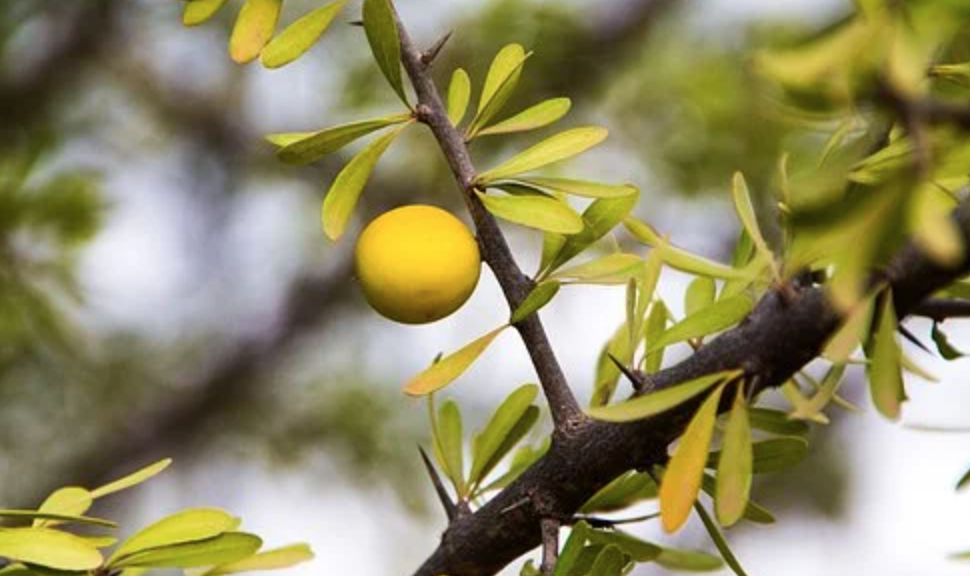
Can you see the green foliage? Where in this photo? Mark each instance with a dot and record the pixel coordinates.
(202, 538)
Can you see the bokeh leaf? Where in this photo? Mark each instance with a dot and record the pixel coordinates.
(745, 210)
(777, 422)
(59, 518)
(277, 559)
(48, 548)
(943, 345)
(682, 480)
(700, 294)
(688, 560)
(132, 480)
(300, 36)
(719, 541)
(884, 370)
(199, 11)
(342, 198)
(69, 501)
(385, 44)
(445, 371)
(253, 29)
(223, 549)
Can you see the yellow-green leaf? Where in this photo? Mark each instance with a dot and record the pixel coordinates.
(500, 82)
(682, 480)
(541, 295)
(500, 427)
(223, 549)
(554, 149)
(599, 219)
(582, 188)
(48, 548)
(277, 559)
(445, 371)
(688, 560)
(661, 401)
(459, 93)
(300, 36)
(385, 44)
(681, 259)
(850, 334)
(342, 198)
(254, 28)
(60, 518)
(885, 372)
(132, 479)
(539, 212)
(718, 316)
(745, 210)
(655, 327)
(198, 11)
(700, 295)
(616, 268)
(306, 147)
(542, 114)
(734, 469)
(826, 393)
(450, 438)
(69, 501)
(186, 526)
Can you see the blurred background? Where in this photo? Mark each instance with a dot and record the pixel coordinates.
(165, 289)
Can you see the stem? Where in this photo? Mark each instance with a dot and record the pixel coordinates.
(550, 546)
(565, 410)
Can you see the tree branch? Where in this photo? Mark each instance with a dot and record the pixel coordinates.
(939, 309)
(565, 410)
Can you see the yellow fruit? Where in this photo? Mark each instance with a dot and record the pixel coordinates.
(417, 264)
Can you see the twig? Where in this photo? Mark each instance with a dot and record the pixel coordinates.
(550, 545)
(939, 309)
(566, 413)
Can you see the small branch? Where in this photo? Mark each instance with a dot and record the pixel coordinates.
(451, 510)
(566, 413)
(939, 309)
(550, 545)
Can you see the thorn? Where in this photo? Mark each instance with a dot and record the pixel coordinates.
(451, 510)
(358, 23)
(634, 376)
(429, 55)
(516, 505)
(597, 522)
(912, 338)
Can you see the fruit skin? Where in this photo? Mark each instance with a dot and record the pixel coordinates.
(417, 264)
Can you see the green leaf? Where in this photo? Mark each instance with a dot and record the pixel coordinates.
(719, 541)
(500, 82)
(830, 385)
(541, 295)
(277, 559)
(542, 114)
(342, 198)
(844, 342)
(186, 526)
(607, 372)
(718, 316)
(772, 455)
(609, 562)
(655, 327)
(444, 372)
(639, 550)
(753, 512)
(254, 28)
(69, 501)
(385, 44)
(964, 480)
(682, 480)
(700, 295)
(132, 480)
(776, 422)
(554, 149)
(616, 268)
(523, 458)
(624, 491)
(223, 549)
(688, 560)
(459, 93)
(48, 548)
(943, 346)
(60, 518)
(745, 209)
(450, 437)
(539, 212)
(681, 259)
(499, 428)
(583, 188)
(734, 469)
(572, 549)
(198, 11)
(308, 147)
(598, 219)
(300, 36)
(885, 373)
(660, 401)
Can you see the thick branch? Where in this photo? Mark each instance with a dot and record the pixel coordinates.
(515, 285)
(780, 336)
(939, 309)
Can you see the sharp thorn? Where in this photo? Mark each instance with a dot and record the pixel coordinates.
(451, 510)
(430, 54)
(636, 379)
